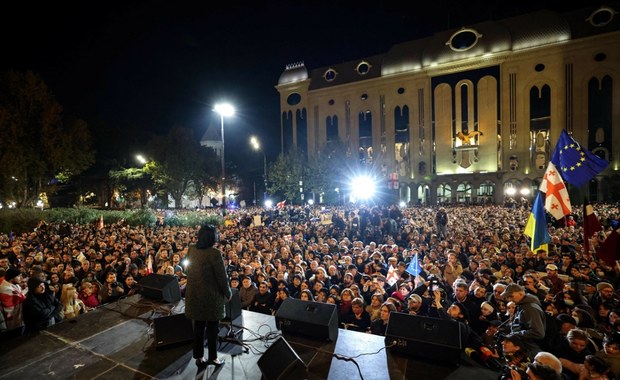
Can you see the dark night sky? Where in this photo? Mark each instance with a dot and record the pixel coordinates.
(152, 64)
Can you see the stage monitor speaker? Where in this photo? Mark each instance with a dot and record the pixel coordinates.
(172, 330)
(281, 362)
(429, 338)
(160, 287)
(233, 307)
(312, 319)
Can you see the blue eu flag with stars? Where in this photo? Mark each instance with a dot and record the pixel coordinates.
(414, 266)
(576, 164)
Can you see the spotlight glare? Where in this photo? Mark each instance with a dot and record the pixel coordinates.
(362, 188)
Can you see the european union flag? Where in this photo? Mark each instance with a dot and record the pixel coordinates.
(576, 164)
(414, 266)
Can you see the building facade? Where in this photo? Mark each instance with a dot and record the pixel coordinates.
(470, 114)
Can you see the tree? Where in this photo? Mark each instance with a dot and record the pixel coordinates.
(328, 170)
(285, 174)
(178, 158)
(38, 151)
(132, 183)
(204, 177)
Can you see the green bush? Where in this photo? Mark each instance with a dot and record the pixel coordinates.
(141, 217)
(25, 220)
(19, 220)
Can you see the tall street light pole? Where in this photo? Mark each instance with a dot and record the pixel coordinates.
(256, 145)
(225, 110)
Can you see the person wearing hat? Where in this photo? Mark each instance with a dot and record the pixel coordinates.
(605, 293)
(11, 298)
(529, 321)
(552, 280)
(41, 309)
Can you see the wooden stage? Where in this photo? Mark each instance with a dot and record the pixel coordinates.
(116, 341)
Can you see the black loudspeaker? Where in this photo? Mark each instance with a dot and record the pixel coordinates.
(429, 338)
(233, 308)
(281, 362)
(172, 330)
(160, 287)
(312, 319)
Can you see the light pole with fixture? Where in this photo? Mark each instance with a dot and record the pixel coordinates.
(256, 145)
(140, 158)
(225, 110)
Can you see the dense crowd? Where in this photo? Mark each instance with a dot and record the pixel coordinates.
(516, 307)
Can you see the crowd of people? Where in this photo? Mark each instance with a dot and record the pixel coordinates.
(542, 314)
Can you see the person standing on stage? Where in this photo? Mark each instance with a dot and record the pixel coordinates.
(206, 293)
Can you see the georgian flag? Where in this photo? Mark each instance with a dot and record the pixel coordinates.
(557, 202)
(392, 276)
(149, 265)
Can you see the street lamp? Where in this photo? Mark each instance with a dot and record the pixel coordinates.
(141, 159)
(225, 110)
(256, 145)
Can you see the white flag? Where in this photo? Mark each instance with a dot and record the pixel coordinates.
(392, 276)
(557, 202)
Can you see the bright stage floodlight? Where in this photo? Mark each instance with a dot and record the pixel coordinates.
(510, 191)
(362, 188)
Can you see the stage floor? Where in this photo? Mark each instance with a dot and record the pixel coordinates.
(117, 341)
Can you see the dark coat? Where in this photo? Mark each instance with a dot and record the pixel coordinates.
(39, 309)
(207, 289)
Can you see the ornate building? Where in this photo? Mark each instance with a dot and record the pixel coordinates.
(469, 114)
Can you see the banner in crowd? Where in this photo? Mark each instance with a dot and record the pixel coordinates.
(577, 165)
(414, 266)
(557, 202)
(591, 225)
(536, 227)
(610, 250)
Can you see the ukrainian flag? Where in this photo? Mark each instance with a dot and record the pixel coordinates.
(536, 227)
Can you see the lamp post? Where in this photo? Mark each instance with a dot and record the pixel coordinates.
(225, 110)
(143, 196)
(256, 145)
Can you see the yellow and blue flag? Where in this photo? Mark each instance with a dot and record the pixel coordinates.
(536, 227)
(576, 164)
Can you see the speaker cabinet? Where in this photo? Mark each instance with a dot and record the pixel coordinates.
(429, 338)
(160, 287)
(281, 362)
(233, 308)
(311, 319)
(172, 330)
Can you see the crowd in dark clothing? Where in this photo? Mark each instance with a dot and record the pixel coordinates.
(475, 267)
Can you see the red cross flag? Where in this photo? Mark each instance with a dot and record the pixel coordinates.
(557, 202)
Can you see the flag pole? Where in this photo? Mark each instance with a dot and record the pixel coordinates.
(586, 239)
